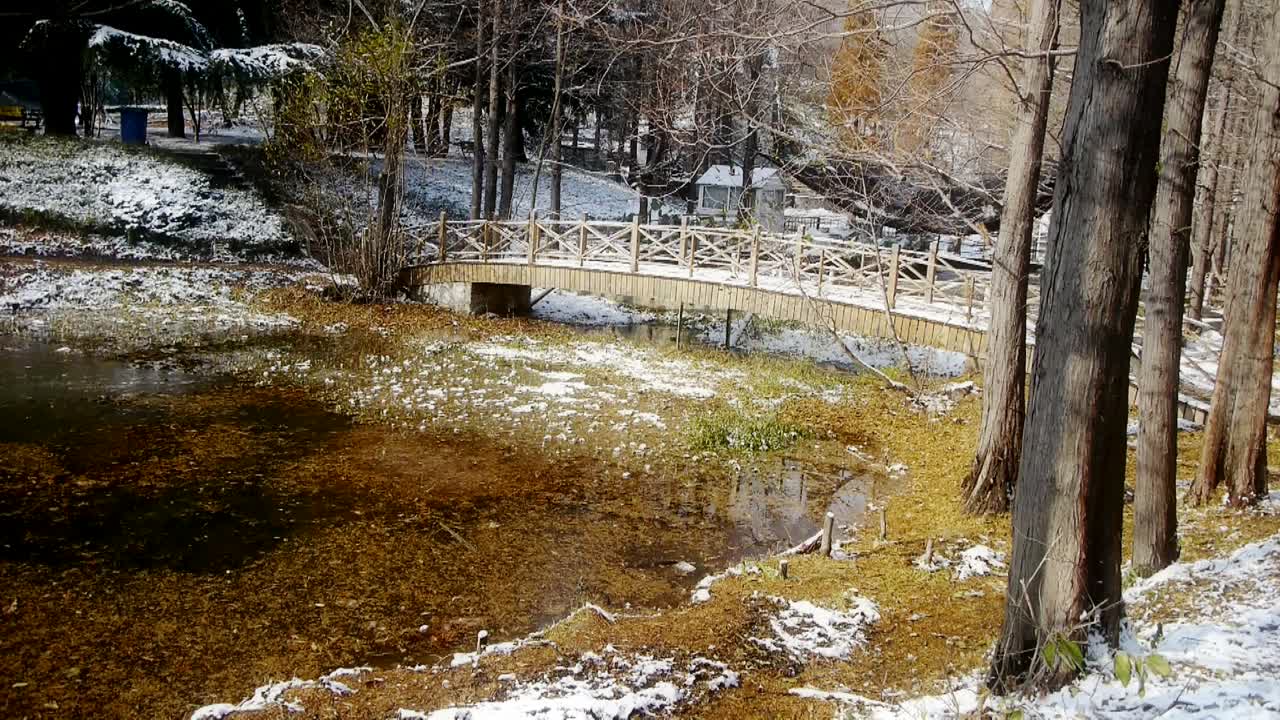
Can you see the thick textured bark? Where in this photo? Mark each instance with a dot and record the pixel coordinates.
(173, 105)
(510, 145)
(1065, 570)
(1235, 433)
(990, 483)
(491, 151)
(477, 124)
(1155, 513)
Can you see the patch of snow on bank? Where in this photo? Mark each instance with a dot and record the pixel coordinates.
(1222, 648)
(199, 294)
(978, 561)
(599, 687)
(124, 189)
(818, 345)
(574, 309)
(802, 629)
(272, 696)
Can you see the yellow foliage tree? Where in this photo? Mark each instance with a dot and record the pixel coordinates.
(857, 71)
(931, 73)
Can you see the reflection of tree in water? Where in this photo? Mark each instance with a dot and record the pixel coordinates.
(773, 507)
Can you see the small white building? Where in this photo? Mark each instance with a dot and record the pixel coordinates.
(720, 192)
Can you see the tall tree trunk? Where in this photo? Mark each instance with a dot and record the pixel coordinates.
(1235, 433)
(1225, 204)
(420, 143)
(433, 120)
(1070, 494)
(595, 143)
(1155, 513)
(446, 129)
(491, 152)
(477, 122)
(58, 68)
(173, 104)
(751, 144)
(990, 483)
(1216, 150)
(510, 144)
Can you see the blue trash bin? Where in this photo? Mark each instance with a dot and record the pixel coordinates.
(133, 126)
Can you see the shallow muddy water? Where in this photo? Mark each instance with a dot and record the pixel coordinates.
(170, 539)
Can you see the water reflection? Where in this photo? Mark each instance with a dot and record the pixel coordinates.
(781, 504)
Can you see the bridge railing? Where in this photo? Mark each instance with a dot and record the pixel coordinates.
(818, 266)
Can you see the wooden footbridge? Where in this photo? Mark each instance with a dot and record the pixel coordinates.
(922, 298)
(932, 299)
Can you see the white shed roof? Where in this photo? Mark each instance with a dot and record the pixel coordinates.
(731, 176)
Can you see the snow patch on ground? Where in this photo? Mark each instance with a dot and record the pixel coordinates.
(1223, 649)
(273, 695)
(816, 343)
(574, 309)
(204, 295)
(803, 630)
(131, 190)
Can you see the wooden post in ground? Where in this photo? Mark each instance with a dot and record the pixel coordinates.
(582, 241)
(828, 529)
(684, 236)
(755, 254)
(728, 326)
(783, 568)
(679, 326)
(894, 259)
(931, 275)
(884, 525)
(443, 237)
(635, 243)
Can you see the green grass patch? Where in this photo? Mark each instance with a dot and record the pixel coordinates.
(728, 430)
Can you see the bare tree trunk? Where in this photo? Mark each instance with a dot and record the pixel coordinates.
(1225, 205)
(510, 144)
(1065, 570)
(1235, 434)
(990, 483)
(751, 144)
(173, 104)
(491, 156)
(446, 129)
(477, 123)
(433, 119)
(1217, 150)
(1155, 513)
(420, 143)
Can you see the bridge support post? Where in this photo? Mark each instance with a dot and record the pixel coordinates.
(533, 236)
(684, 237)
(755, 256)
(931, 274)
(635, 244)
(582, 241)
(893, 276)
(443, 238)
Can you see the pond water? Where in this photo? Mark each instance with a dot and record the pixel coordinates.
(171, 538)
